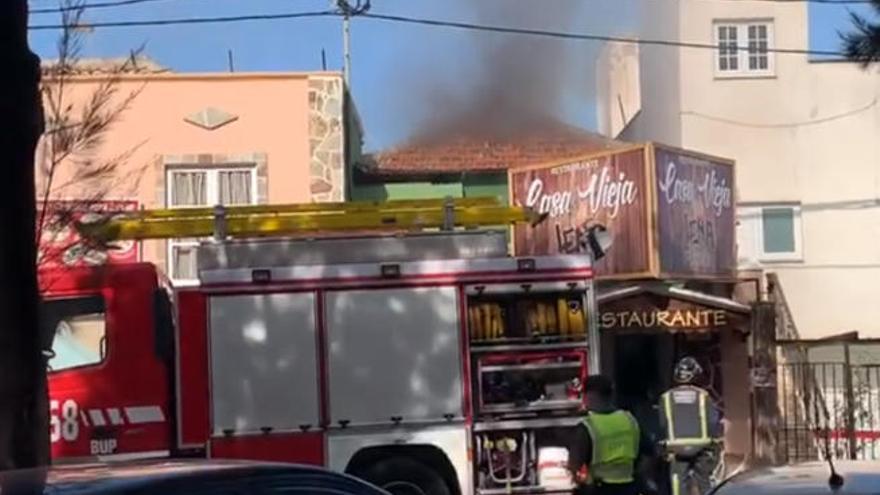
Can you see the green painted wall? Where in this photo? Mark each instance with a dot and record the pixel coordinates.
(406, 190)
(354, 133)
(457, 186)
(486, 185)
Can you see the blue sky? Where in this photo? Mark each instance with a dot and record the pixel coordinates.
(387, 58)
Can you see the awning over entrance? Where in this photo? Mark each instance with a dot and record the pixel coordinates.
(652, 307)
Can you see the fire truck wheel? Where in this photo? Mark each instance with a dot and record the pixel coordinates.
(402, 476)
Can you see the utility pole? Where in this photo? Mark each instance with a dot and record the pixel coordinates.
(349, 10)
(346, 47)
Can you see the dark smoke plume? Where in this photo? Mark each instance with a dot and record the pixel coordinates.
(518, 83)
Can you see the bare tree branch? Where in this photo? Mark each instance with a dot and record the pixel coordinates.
(102, 176)
(76, 130)
(69, 46)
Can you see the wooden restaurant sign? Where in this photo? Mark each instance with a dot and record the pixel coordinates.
(671, 212)
(695, 214)
(656, 318)
(653, 313)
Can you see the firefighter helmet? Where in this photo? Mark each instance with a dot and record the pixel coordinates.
(687, 370)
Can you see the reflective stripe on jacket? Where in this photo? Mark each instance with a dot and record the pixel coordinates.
(615, 438)
(685, 410)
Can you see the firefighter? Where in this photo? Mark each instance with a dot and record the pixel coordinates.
(691, 423)
(609, 447)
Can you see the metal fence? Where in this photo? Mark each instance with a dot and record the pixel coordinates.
(829, 407)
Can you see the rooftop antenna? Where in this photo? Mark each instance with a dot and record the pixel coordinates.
(323, 59)
(132, 57)
(230, 60)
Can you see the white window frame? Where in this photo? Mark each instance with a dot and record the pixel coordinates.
(757, 210)
(742, 34)
(177, 244)
(212, 194)
(77, 312)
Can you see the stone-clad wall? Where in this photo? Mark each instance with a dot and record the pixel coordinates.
(326, 138)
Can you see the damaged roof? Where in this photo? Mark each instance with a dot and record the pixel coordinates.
(474, 153)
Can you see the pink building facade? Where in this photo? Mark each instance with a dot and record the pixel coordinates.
(205, 139)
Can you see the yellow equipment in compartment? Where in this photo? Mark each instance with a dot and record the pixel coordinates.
(486, 321)
(562, 311)
(564, 317)
(577, 324)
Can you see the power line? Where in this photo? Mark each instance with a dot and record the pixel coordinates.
(87, 6)
(429, 22)
(804, 123)
(190, 20)
(827, 2)
(121, 3)
(578, 36)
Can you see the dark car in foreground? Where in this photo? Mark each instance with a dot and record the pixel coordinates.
(183, 477)
(812, 478)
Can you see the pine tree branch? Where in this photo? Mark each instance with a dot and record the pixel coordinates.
(862, 43)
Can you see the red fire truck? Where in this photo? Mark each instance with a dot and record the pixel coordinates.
(426, 363)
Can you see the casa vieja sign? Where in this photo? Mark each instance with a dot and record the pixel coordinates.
(712, 191)
(671, 212)
(696, 216)
(611, 189)
(601, 192)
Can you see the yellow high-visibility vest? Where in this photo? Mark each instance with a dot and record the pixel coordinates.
(686, 412)
(615, 439)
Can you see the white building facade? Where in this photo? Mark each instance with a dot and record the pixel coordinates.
(805, 136)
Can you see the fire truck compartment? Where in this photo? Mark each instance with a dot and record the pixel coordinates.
(394, 356)
(263, 362)
(527, 382)
(516, 461)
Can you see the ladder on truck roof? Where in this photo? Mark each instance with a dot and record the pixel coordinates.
(273, 220)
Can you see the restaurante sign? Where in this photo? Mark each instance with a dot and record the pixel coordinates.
(676, 318)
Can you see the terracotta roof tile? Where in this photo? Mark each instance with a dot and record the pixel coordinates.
(474, 153)
(139, 64)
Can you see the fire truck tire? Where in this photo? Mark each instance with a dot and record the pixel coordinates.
(402, 476)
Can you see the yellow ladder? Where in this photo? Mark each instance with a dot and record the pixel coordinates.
(269, 220)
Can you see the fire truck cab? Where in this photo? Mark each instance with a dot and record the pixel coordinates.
(110, 369)
(424, 363)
